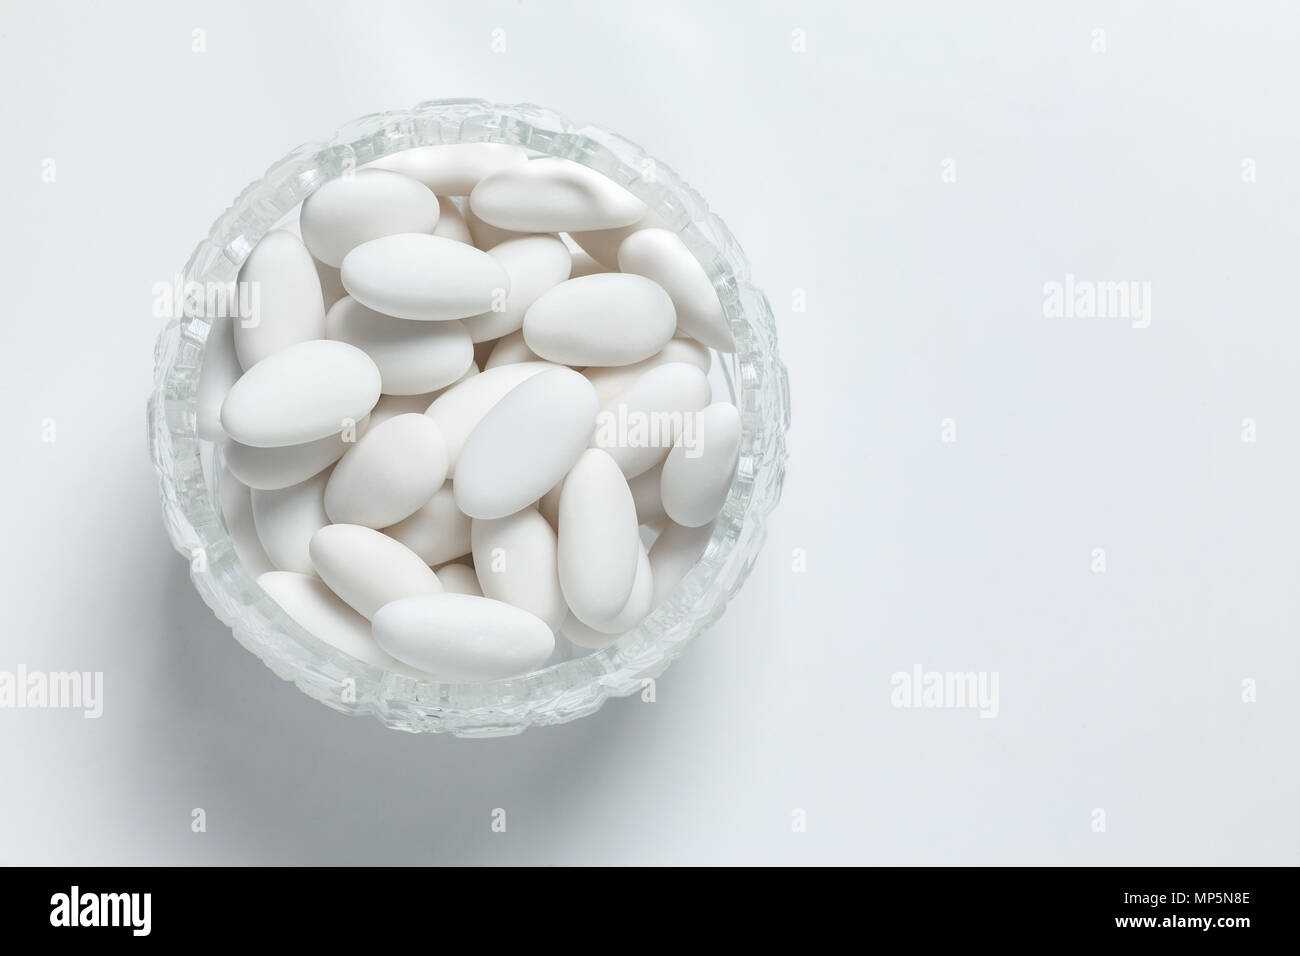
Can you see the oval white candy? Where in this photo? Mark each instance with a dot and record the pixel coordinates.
(387, 475)
(237, 508)
(636, 608)
(602, 244)
(271, 468)
(451, 223)
(517, 558)
(219, 370)
(319, 611)
(485, 235)
(697, 473)
(599, 542)
(660, 255)
(581, 635)
(438, 531)
(553, 195)
(511, 350)
(610, 380)
(525, 443)
(412, 357)
(459, 409)
(286, 518)
(534, 265)
(423, 278)
(300, 394)
(390, 406)
(453, 169)
(279, 283)
(367, 569)
(675, 552)
(370, 204)
(605, 319)
(645, 419)
(463, 637)
(459, 579)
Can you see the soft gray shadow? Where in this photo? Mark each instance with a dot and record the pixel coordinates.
(283, 779)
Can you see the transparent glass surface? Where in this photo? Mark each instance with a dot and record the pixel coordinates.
(562, 691)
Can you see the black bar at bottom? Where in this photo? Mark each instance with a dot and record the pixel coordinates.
(337, 905)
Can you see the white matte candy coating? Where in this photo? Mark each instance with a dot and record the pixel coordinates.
(300, 394)
(534, 265)
(674, 553)
(553, 195)
(697, 475)
(368, 569)
(463, 637)
(459, 409)
(638, 602)
(511, 350)
(371, 203)
(459, 579)
(412, 357)
(644, 420)
(424, 278)
(286, 518)
(451, 223)
(581, 635)
(599, 542)
(485, 235)
(318, 610)
(237, 509)
(438, 531)
(525, 443)
(661, 255)
(516, 561)
(400, 284)
(390, 406)
(219, 370)
(387, 475)
(452, 169)
(610, 380)
(604, 319)
(285, 293)
(602, 244)
(271, 468)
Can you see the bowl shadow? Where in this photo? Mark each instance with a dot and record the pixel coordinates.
(285, 780)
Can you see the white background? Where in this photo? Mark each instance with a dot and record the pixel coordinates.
(1120, 691)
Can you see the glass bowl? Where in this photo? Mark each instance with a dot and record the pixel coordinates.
(561, 691)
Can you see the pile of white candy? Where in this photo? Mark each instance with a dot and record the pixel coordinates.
(446, 427)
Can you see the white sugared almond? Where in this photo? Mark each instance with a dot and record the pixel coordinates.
(470, 514)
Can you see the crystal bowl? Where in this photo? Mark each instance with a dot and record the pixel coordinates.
(561, 691)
